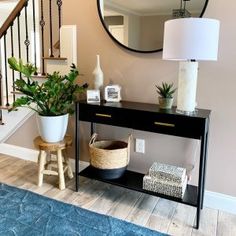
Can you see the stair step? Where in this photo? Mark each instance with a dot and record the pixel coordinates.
(55, 58)
(5, 107)
(39, 76)
(16, 92)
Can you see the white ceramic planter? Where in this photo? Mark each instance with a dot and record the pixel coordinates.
(52, 128)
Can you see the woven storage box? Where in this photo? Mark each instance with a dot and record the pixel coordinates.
(109, 158)
(167, 172)
(165, 187)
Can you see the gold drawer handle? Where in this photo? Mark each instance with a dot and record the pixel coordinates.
(164, 124)
(103, 115)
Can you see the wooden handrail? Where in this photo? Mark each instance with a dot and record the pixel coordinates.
(20, 5)
(57, 45)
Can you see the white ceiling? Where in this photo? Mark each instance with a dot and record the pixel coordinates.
(148, 7)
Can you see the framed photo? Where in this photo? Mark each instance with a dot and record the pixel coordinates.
(93, 96)
(112, 93)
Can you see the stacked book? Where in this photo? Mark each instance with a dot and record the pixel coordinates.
(166, 179)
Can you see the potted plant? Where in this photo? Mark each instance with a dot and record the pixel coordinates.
(165, 92)
(52, 100)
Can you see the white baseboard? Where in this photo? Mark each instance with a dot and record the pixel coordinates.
(220, 201)
(212, 199)
(31, 155)
(19, 152)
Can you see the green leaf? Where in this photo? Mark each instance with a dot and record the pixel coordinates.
(165, 90)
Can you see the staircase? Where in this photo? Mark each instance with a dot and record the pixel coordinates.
(33, 32)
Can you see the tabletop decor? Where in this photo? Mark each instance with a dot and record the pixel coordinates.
(189, 40)
(165, 92)
(113, 93)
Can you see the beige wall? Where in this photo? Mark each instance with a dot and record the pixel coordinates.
(25, 135)
(138, 74)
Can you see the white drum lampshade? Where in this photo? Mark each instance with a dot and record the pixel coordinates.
(190, 40)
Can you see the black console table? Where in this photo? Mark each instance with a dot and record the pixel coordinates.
(148, 117)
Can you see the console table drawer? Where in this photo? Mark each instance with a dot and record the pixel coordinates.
(103, 115)
(169, 124)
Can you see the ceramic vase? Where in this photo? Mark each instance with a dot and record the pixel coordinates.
(98, 75)
(165, 103)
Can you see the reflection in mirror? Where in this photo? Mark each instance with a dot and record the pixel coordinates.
(139, 24)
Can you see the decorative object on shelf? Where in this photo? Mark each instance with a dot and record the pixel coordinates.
(52, 100)
(167, 172)
(109, 158)
(165, 92)
(98, 76)
(165, 187)
(93, 96)
(188, 40)
(113, 93)
(166, 179)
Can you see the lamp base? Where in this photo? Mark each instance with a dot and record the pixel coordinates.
(187, 113)
(187, 86)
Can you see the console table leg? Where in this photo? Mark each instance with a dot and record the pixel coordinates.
(198, 217)
(92, 128)
(77, 149)
(201, 179)
(204, 171)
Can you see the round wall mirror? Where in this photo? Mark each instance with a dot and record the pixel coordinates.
(138, 25)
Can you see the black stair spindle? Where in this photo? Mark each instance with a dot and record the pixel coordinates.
(59, 4)
(1, 96)
(26, 42)
(19, 39)
(1, 123)
(34, 29)
(51, 28)
(12, 54)
(42, 24)
(6, 75)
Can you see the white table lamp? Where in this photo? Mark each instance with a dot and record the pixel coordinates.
(189, 40)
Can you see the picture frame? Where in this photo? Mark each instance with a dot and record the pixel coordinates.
(112, 93)
(93, 96)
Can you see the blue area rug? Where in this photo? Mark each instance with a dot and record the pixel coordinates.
(23, 213)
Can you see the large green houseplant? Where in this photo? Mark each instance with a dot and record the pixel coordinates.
(52, 100)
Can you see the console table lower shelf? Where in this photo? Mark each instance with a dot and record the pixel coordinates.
(134, 181)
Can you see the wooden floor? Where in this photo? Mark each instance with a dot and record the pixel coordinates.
(152, 212)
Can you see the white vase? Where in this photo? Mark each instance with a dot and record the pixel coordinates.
(52, 129)
(98, 75)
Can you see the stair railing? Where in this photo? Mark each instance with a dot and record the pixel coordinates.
(29, 33)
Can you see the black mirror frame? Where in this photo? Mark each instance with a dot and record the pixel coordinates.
(131, 49)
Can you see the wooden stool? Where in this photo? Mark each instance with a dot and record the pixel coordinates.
(46, 164)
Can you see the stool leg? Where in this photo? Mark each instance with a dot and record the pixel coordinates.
(67, 161)
(60, 170)
(41, 160)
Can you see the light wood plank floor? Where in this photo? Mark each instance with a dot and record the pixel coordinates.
(152, 212)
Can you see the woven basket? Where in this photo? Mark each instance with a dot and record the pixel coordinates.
(110, 156)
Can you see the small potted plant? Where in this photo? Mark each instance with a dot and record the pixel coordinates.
(165, 93)
(52, 100)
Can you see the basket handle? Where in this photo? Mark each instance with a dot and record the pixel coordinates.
(128, 147)
(93, 139)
